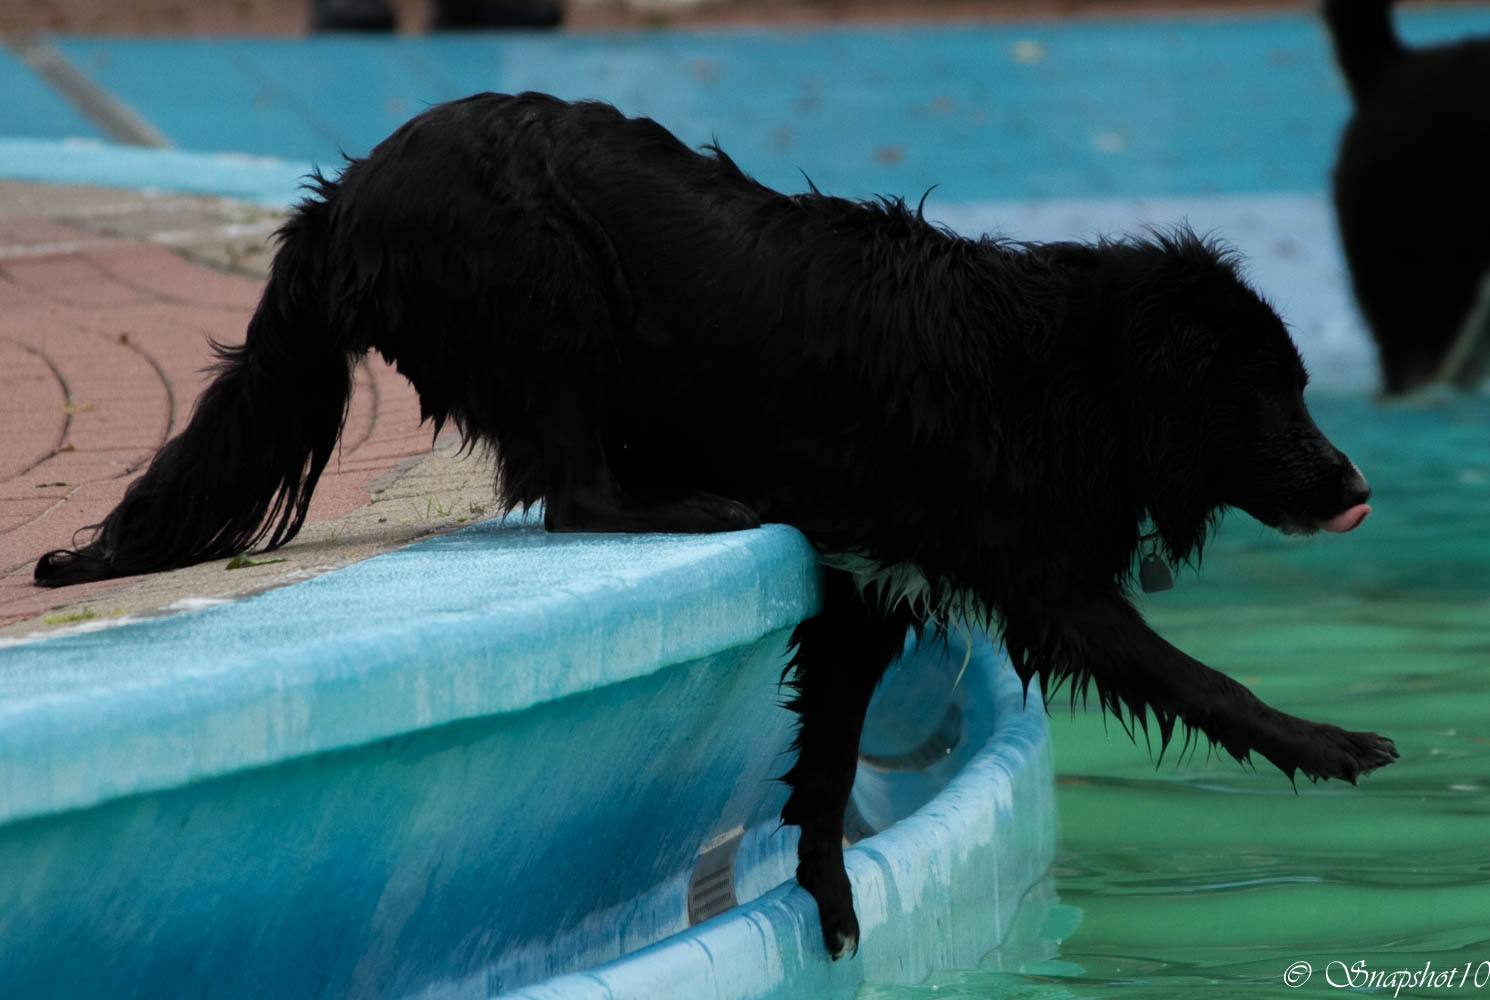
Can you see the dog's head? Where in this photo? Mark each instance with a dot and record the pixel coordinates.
(1222, 412)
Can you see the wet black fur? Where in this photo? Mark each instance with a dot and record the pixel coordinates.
(1411, 189)
(653, 341)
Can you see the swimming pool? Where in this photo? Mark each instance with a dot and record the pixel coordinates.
(1177, 878)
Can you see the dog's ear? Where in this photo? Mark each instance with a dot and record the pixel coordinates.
(1176, 287)
(1172, 409)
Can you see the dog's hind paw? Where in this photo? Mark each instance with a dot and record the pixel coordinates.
(687, 513)
(701, 513)
(725, 514)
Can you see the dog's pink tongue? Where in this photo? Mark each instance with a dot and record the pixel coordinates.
(1348, 521)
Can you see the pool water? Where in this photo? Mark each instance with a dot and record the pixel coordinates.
(1206, 878)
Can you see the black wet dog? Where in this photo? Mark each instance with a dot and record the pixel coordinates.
(1412, 192)
(653, 342)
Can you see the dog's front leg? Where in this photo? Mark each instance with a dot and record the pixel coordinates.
(839, 657)
(1102, 640)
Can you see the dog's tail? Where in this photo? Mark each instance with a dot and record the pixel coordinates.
(242, 471)
(1366, 42)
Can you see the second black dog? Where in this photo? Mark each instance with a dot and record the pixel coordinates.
(654, 342)
(1412, 196)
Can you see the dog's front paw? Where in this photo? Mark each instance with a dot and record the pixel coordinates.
(840, 932)
(843, 943)
(1336, 753)
(835, 908)
(1370, 752)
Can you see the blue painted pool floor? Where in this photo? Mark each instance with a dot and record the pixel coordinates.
(1095, 108)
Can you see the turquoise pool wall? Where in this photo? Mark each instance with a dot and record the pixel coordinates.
(351, 786)
(409, 863)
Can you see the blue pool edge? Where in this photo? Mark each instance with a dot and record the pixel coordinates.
(493, 619)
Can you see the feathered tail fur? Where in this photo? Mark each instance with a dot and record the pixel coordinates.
(242, 472)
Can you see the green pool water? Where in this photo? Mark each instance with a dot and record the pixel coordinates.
(1207, 879)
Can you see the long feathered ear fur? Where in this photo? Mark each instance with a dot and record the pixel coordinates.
(1169, 353)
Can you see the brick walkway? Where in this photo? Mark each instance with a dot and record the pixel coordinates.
(103, 341)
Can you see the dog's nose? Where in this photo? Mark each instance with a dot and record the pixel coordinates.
(1356, 489)
(1354, 493)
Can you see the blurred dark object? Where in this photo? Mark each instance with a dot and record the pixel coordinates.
(352, 15)
(1412, 192)
(450, 14)
(495, 14)
(445, 15)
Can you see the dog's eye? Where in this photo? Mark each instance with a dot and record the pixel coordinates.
(1269, 412)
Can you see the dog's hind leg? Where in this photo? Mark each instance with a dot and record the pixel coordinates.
(1105, 641)
(597, 504)
(839, 658)
(545, 396)
(581, 493)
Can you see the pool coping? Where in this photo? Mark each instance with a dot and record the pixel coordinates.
(491, 619)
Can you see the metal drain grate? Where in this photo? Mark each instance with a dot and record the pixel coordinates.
(711, 888)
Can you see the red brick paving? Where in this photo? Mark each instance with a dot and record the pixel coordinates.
(102, 346)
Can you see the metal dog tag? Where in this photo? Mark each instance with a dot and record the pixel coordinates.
(1154, 575)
